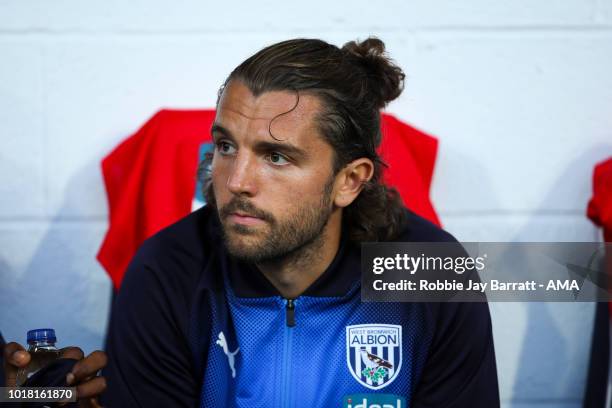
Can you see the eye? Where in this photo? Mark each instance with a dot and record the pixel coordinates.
(277, 159)
(225, 148)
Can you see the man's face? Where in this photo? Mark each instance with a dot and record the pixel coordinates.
(273, 194)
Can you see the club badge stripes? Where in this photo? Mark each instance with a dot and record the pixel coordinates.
(383, 352)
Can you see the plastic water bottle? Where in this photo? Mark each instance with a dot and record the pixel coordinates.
(42, 352)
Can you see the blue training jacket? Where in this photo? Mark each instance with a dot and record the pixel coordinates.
(194, 327)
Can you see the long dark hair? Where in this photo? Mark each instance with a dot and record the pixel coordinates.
(354, 83)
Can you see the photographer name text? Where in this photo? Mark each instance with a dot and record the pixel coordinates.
(475, 286)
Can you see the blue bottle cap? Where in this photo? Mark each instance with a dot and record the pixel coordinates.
(41, 335)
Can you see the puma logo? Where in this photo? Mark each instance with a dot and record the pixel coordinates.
(231, 355)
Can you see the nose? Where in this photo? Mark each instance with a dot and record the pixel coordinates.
(242, 177)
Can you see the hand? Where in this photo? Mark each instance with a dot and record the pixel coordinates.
(82, 376)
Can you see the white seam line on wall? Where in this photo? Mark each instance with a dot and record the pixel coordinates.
(603, 28)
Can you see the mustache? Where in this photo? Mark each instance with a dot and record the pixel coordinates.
(236, 204)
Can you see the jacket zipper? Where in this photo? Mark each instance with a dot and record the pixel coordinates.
(287, 346)
(290, 312)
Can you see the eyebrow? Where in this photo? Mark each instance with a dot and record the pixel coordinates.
(282, 147)
(216, 128)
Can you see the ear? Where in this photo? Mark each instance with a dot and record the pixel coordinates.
(350, 180)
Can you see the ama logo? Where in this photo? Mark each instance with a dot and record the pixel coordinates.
(374, 353)
(374, 401)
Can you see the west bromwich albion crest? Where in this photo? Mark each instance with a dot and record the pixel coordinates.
(374, 353)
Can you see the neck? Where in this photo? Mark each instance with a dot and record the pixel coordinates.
(295, 272)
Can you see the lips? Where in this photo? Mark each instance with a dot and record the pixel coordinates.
(241, 214)
(244, 218)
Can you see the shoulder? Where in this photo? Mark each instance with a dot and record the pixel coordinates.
(462, 339)
(154, 310)
(173, 259)
(163, 279)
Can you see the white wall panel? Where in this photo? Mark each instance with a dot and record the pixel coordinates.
(22, 190)
(190, 15)
(518, 93)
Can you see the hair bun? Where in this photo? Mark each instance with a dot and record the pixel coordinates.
(386, 79)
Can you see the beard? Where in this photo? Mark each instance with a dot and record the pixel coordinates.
(300, 233)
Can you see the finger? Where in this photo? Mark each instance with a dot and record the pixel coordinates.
(82, 381)
(89, 403)
(83, 403)
(74, 353)
(15, 357)
(87, 367)
(91, 388)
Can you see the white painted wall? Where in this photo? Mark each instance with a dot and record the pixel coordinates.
(518, 92)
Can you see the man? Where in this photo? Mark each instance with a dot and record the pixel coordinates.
(248, 301)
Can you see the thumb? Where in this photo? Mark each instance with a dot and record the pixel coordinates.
(15, 357)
